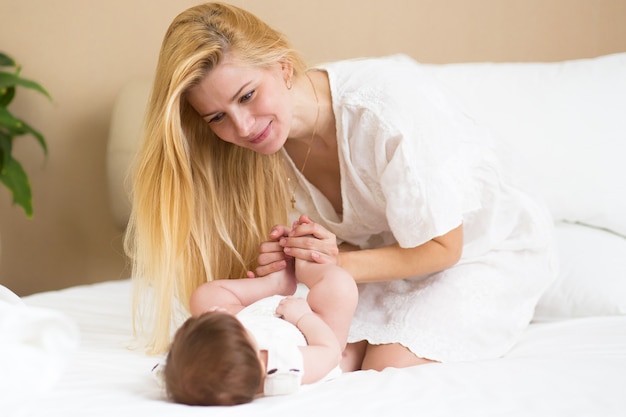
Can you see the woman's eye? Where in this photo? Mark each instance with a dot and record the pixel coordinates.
(247, 96)
(216, 118)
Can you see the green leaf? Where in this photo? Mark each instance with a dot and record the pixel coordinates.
(6, 145)
(10, 80)
(14, 177)
(10, 122)
(6, 61)
(12, 174)
(16, 127)
(6, 96)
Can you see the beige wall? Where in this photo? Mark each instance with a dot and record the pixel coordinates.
(84, 50)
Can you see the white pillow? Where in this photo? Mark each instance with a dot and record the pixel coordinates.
(36, 345)
(592, 281)
(568, 119)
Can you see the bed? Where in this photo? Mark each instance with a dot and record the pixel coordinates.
(71, 352)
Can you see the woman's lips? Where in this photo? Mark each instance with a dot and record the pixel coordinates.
(263, 135)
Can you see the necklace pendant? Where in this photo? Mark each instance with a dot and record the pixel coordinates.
(308, 151)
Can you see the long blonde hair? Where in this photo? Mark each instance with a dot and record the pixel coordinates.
(200, 206)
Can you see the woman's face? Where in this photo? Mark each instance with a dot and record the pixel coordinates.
(244, 105)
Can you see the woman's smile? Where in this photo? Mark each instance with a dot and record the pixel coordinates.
(262, 135)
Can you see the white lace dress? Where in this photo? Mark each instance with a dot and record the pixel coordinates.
(414, 166)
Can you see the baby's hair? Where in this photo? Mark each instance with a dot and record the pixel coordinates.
(212, 362)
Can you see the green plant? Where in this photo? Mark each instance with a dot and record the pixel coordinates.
(12, 174)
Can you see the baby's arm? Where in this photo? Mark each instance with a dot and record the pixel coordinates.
(235, 294)
(323, 352)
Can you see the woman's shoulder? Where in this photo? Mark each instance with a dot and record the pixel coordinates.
(380, 82)
(389, 91)
(366, 64)
(374, 73)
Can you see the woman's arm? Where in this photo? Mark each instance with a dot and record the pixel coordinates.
(381, 264)
(235, 294)
(322, 352)
(393, 262)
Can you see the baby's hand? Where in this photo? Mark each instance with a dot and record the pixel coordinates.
(292, 309)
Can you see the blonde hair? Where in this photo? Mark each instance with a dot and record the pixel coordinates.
(200, 206)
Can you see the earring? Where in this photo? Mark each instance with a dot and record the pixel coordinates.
(289, 84)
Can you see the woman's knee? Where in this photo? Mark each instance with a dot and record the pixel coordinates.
(353, 356)
(392, 355)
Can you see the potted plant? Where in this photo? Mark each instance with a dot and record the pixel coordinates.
(12, 175)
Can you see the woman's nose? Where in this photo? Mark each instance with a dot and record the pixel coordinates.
(244, 122)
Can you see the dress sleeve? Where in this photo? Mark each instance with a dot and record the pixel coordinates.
(425, 175)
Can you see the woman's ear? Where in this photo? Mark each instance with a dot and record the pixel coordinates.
(287, 71)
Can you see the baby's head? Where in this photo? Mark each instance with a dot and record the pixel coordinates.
(213, 361)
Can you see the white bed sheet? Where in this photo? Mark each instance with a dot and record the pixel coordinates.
(568, 368)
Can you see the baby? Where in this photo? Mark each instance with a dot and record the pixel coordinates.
(251, 336)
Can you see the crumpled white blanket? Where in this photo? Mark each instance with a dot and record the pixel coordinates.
(36, 345)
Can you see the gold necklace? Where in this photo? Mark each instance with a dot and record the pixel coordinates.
(308, 152)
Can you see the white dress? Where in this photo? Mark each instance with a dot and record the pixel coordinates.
(414, 166)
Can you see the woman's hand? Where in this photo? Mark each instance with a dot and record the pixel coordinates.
(310, 241)
(272, 257)
(304, 240)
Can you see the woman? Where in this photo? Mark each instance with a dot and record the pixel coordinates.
(449, 257)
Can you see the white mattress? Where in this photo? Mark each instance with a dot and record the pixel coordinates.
(575, 367)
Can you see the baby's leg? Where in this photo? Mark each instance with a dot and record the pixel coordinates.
(333, 295)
